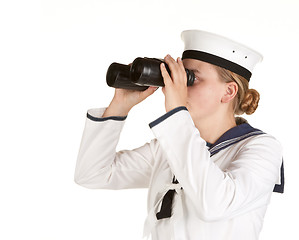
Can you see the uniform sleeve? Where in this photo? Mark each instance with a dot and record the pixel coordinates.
(217, 195)
(100, 166)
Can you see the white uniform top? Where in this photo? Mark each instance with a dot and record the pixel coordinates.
(223, 189)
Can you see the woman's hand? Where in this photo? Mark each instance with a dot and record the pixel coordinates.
(124, 100)
(175, 89)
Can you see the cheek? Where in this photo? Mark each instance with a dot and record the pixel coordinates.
(203, 99)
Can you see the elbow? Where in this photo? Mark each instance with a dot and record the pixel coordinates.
(85, 177)
(83, 181)
(93, 181)
(80, 180)
(78, 176)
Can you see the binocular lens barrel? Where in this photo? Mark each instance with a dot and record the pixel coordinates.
(119, 76)
(142, 73)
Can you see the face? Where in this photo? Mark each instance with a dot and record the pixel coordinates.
(204, 96)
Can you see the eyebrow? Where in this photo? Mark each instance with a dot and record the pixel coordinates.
(195, 70)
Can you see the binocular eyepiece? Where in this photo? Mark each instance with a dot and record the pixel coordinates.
(139, 75)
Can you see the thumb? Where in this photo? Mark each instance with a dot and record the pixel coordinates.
(148, 92)
(163, 90)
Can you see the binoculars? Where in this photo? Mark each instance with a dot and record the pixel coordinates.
(139, 75)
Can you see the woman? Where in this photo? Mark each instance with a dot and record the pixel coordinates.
(210, 174)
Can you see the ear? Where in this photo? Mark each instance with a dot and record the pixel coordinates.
(231, 90)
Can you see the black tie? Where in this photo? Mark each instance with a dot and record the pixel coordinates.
(166, 207)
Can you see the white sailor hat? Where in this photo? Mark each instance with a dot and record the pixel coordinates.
(220, 51)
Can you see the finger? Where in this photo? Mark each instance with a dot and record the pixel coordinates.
(172, 64)
(177, 69)
(182, 69)
(180, 62)
(165, 75)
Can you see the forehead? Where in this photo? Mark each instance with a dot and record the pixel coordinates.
(197, 65)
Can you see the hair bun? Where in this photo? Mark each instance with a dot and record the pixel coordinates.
(250, 101)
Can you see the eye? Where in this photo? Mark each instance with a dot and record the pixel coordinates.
(197, 78)
(197, 75)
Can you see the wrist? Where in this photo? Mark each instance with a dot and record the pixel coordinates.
(116, 109)
(175, 105)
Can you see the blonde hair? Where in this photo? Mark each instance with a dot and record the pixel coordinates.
(246, 100)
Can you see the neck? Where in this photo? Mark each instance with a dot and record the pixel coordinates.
(211, 129)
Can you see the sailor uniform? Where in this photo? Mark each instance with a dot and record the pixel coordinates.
(219, 191)
(196, 190)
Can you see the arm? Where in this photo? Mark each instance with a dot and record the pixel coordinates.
(100, 166)
(245, 185)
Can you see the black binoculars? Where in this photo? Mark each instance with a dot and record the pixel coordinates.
(139, 75)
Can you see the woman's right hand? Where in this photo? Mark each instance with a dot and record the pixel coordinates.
(125, 99)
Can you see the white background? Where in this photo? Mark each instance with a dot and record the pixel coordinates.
(53, 59)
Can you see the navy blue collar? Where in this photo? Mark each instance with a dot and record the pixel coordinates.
(232, 136)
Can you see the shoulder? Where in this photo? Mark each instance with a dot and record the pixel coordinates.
(262, 147)
(263, 139)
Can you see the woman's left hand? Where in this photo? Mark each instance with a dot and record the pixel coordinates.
(175, 89)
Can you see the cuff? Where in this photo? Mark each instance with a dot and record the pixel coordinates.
(167, 115)
(97, 113)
